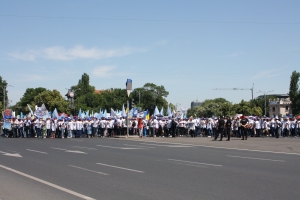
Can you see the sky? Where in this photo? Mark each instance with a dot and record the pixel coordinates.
(191, 47)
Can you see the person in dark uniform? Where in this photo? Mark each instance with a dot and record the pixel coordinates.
(244, 127)
(228, 128)
(220, 128)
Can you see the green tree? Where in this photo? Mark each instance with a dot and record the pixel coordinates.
(52, 99)
(27, 98)
(149, 96)
(83, 87)
(243, 108)
(294, 92)
(113, 98)
(212, 107)
(227, 109)
(256, 111)
(260, 102)
(3, 84)
(1, 108)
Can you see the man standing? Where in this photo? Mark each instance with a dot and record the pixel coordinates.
(244, 127)
(228, 127)
(192, 126)
(220, 128)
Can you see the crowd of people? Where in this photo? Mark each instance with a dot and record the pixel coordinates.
(241, 127)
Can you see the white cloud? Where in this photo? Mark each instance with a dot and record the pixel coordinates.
(108, 71)
(77, 52)
(103, 71)
(30, 55)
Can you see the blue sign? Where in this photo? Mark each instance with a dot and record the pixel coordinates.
(129, 84)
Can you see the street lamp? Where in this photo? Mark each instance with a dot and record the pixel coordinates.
(71, 95)
(265, 93)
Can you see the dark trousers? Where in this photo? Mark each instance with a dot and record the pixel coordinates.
(15, 132)
(94, 131)
(192, 133)
(109, 131)
(48, 133)
(220, 131)
(228, 133)
(244, 132)
(117, 130)
(38, 132)
(78, 133)
(258, 132)
(27, 131)
(20, 130)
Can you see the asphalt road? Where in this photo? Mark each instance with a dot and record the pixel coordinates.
(156, 168)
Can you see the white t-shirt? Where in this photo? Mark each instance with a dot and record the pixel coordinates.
(79, 125)
(191, 124)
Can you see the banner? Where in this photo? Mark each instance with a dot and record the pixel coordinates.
(7, 125)
(7, 113)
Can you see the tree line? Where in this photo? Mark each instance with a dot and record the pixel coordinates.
(86, 97)
(146, 97)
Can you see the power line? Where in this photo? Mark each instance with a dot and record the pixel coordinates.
(150, 20)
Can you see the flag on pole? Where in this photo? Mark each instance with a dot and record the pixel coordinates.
(79, 113)
(105, 114)
(162, 111)
(113, 113)
(156, 112)
(30, 110)
(55, 114)
(169, 113)
(148, 116)
(135, 111)
(123, 114)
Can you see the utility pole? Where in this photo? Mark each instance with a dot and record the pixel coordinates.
(128, 88)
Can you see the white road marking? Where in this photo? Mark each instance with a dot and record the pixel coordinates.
(70, 151)
(79, 147)
(177, 163)
(11, 154)
(48, 183)
(139, 146)
(196, 163)
(133, 170)
(59, 149)
(169, 143)
(255, 158)
(125, 148)
(88, 170)
(161, 145)
(36, 151)
(207, 146)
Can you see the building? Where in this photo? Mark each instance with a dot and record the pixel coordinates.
(280, 96)
(196, 103)
(280, 106)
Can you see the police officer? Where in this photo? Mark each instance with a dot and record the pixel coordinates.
(220, 127)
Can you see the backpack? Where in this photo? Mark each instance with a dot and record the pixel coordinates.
(133, 124)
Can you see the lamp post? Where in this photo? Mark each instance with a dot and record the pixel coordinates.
(71, 95)
(265, 93)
